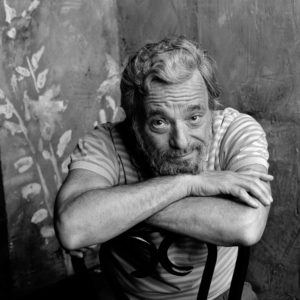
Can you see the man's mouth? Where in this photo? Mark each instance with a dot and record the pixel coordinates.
(182, 156)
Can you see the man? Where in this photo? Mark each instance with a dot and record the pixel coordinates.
(175, 174)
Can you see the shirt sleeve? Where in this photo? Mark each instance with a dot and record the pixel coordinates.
(96, 152)
(244, 143)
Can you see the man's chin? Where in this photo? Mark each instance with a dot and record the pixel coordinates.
(182, 167)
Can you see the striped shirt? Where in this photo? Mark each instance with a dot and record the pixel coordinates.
(237, 141)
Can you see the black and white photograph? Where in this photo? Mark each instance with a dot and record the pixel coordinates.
(150, 149)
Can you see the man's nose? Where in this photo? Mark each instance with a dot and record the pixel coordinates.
(179, 137)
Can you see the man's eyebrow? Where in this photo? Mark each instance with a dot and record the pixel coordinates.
(193, 108)
(155, 112)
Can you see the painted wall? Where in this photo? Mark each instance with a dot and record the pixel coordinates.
(257, 48)
(60, 64)
(146, 21)
(59, 73)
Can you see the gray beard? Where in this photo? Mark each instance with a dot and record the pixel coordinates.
(163, 163)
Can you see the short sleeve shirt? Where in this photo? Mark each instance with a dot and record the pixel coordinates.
(237, 141)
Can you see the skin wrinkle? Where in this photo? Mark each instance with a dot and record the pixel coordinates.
(182, 145)
(168, 92)
(186, 109)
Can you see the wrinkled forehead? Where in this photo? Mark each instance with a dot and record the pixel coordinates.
(192, 90)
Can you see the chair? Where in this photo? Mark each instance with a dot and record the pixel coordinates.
(238, 278)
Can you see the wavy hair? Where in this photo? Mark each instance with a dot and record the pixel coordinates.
(170, 61)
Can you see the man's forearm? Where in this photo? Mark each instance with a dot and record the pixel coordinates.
(97, 215)
(86, 213)
(213, 219)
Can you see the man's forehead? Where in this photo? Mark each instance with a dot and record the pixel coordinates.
(191, 93)
(160, 108)
(195, 81)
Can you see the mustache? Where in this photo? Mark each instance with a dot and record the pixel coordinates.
(175, 154)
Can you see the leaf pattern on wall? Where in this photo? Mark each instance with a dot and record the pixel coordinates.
(12, 127)
(10, 13)
(65, 164)
(41, 79)
(46, 155)
(6, 110)
(47, 110)
(39, 216)
(23, 164)
(31, 189)
(36, 58)
(47, 232)
(63, 142)
(113, 77)
(33, 5)
(32, 112)
(23, 71)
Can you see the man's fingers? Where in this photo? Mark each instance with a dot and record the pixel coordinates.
(259, 190)
(93, 247)
(75, 253)
(253, 186)
(245, 198)
(81, 252)
(260, 175)
(248, 186)
(266, 177)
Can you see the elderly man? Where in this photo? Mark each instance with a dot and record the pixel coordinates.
(174, 174)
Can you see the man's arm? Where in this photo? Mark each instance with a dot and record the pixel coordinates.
(217, 220)
(88, 211)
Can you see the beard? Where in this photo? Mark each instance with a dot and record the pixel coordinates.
(163, 163)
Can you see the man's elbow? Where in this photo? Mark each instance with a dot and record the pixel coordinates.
(252, 227)
(72, 235)
(250, 237)
(65, 233)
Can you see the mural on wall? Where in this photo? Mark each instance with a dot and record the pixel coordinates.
(59, 76)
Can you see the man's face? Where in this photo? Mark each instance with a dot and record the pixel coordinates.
(176, 133)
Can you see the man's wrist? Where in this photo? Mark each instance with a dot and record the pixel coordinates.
(185, 184)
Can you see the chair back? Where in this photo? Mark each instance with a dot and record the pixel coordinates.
(239, 274)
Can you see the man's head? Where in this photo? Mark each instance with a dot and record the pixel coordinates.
(168, 90)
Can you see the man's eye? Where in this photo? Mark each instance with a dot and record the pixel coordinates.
(158, 124)
(195, 118)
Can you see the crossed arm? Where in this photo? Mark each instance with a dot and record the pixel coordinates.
(88, 211)
(222, 220)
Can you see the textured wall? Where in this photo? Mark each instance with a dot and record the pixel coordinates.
(59, 73)
(146, 21)
(59, 64)
(257, 48)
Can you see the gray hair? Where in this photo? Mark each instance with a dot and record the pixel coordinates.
(170, 61)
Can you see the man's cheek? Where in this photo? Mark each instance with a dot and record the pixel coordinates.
(155, 143)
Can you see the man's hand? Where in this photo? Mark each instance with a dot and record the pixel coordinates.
(80, 253)
(248, 186)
